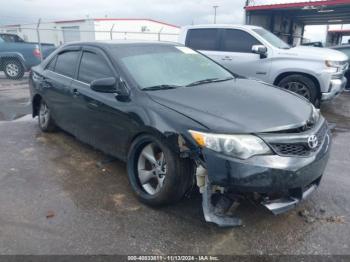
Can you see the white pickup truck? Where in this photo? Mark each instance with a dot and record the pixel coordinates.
(253, 52)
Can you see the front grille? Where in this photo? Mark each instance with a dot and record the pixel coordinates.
(300, 149)
(291, 149)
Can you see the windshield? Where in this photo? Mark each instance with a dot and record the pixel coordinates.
(167, 66)
(11, 38)
(271, 38)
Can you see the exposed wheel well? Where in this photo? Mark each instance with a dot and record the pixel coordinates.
(36, 104)
(170, 139)
(314, 79)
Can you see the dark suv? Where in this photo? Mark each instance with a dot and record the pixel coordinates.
(166, 109)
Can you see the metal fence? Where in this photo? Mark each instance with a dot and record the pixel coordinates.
(49, 34)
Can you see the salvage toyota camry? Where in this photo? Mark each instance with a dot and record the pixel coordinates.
(179, 119)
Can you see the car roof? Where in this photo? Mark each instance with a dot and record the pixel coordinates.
(108, 43)
(232, 26)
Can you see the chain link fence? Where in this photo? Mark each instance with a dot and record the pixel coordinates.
(59, 33)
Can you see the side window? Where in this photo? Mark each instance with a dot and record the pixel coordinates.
(92, 67)
(51, 65)
(202, 39)
(66, 63)
(238, 41)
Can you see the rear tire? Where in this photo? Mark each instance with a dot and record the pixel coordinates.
(45, 121)
(302, 85)
(149, 153)
(13, 69)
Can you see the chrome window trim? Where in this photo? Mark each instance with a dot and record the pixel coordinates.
(70, 78)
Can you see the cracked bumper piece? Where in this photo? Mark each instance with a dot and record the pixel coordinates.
(282, 205)
(295, 176)
(337, 86)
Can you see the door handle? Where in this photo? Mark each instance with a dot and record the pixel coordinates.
(93, 104)
(75, 92)
(226, 58)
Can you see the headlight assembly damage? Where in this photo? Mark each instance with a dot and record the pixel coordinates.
(238, 165)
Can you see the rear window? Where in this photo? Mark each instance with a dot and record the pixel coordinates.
(51, 65)
(203, 39)
(66, 63)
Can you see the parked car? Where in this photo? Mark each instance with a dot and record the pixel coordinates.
(18, 56)
(166, 109)
(346, 50)
(253, 52)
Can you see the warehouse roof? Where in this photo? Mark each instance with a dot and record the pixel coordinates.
(294, 4)
(308, 12)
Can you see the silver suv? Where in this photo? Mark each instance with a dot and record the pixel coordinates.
(253, 52)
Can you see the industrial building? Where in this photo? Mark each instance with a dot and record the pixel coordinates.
(288, 20)
(60, 32)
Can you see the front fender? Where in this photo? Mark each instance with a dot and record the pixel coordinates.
(159, 121)
(294, 65)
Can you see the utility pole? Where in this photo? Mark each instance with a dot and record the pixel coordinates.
(215, 7)
(39, 42)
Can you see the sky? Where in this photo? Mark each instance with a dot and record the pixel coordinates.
(178, 12)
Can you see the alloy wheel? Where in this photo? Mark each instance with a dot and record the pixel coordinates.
(299, 88)
(44, 115)
(151, 168)
(12, 70)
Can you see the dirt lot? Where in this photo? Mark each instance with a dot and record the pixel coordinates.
(58, 197)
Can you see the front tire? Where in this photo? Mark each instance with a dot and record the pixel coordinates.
(158, 176)
(45, 121)
(13, 69)
(302, 85)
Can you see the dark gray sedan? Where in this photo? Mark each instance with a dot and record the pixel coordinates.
(178, 118)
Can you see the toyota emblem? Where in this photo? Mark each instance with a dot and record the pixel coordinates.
(312, 141)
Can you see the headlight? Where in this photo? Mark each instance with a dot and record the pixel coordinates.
(336, 66)
(240, 146)
(331, 63)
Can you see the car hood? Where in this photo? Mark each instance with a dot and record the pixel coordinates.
(316, 53)
(237, 106)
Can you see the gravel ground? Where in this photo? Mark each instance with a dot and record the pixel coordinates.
(57, 197)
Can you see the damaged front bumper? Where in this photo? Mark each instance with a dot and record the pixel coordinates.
(282, 181)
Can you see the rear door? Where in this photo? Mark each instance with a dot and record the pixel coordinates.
(56, 83)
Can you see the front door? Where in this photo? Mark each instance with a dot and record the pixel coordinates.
(99, 118)
(236, 55)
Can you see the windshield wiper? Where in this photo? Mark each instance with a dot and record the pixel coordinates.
(209, 80)
(160, 87)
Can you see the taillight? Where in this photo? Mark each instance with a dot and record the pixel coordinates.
(36, 52)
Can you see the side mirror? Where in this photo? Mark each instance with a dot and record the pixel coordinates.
(260, 50)
(104, 85)
(122, 92)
